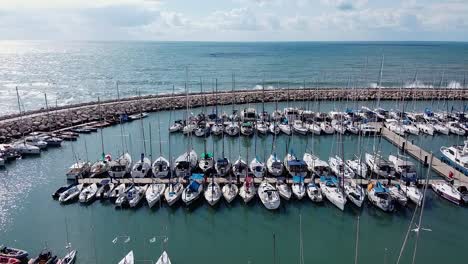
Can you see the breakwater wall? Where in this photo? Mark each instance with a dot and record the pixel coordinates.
(52, 119)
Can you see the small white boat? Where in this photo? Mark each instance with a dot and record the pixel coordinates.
(327, 128)
(257, 168)
(70, 194)
(353, 129)
(410, 128)
(69, 258)
(331, 190)
(138, 116)
(88, 193)
(367, 129)
(206, 162)
(380, 196)
(314, 192)
(128, 259)
(339, 127)
(230, 192)
(269, 195)
(120, 167)
(298, 187)
(173, 193)
(135, 195)
(285, 128)
(354, 192)
(247, 191)
(426, 128)
(189, 128)
(160, 167)
(118, 191)
(314, 128)
(185, 163)
(283, 189)
(193, 190)
(439, 127)
(36, 141)
(141, 167)
(398, 194)
(358, 167)
(447, 191)
(394, 126)
(240, 168)
(212, 193)
(163, 259)
(154, 193)
(24, 148)
(299, 127)
(413, 193)
(339, 168)
(105, 190)
(275, 166)
(121, 199)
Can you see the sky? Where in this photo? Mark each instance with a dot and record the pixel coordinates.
(235, 20)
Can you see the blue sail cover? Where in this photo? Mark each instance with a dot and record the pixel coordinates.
(196, 176)
(329, 179)
(194, 185)
(298, 179)
(428, 112)
(349, 110)
(379, 188)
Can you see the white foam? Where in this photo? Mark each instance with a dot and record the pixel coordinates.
(454, 85)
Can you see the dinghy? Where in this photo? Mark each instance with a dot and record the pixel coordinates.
(88, 194)
(61, 190)
(45, 257)
(7, 260)
(106, 188)
(269, 195)
(71, 194)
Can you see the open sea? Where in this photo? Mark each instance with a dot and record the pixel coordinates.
(229, 234)
(74, 72)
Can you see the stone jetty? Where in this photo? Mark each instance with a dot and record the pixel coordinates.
(56, 118)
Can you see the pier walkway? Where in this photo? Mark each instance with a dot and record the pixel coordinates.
(423, 156)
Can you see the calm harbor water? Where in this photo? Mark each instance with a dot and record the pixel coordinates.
(74, 72)
(236, 233)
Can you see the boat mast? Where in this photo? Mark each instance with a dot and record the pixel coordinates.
(101, 128)
(380, 80)
(141, 120)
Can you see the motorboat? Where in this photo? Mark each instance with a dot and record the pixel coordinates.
(117, 192)
(299, 127)
(128, 259)
(202, 130)
(447, 191)
(358, 167)
(24, 148)
(283, 189)
(189, 128)
(60, 190)
(193, 190)
(154, 193)
(45, 257)
(135, 195)
(141, 168)
(230, 191)
(378, 165)
(240, 168)
(330, 188)
(15, 253)
(403, 167)
(274, 128)
(456, 156)
(380, 196)
(105, 189)
(257, 168)
(247, 129)
(354, 192)
(173, 192)
(163, 259)
(454, 128)
(185, 163)
(316, 166)
(247, 191)
(339, 168)
(298, 187)
(177, 126)
(78, 170)
(223, 166)
(36, 141)
(275, 166)
(69, 258)
(212, 193)
(327, 128)
(88, 194)
(285, 128)
(161, 167)
(291, 113)
(100, 167)
(120, 167)
(71, 194)
(138, 116)
(276, 115)
(217, 129)
(398, 194)
(269, 195)
(206, 162)
(295, 166)
(8, 260)
(314, 192)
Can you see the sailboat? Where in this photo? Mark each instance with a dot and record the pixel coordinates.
(222, 165)
(163, 259)
(357, 166)
(339, 168)
(330, 188)
(213, 192)
(275, 166)
(314, 192)
(161, 166)
(185, 163)
(117, 192)
(128, 259)
(101, 166)
(106, 188)
(154, 193)
(141, 168)
(379, 165)
(380, 196)
(193, 191)
(230, 191)
(354, 192)
(120, 167)
(174, 190)
(247, 190)
(256, 166)
(206, 162)
(269, 195)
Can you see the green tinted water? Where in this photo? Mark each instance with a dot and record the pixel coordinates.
(234, 233)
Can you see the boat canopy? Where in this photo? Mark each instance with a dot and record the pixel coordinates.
(194, 185)
(298, 179)
(297, 166)
(206, 155)
(196, 176)
(379, 188)
(105, 181)
(222, 161)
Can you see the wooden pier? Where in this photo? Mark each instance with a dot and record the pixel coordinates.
(423, 156)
